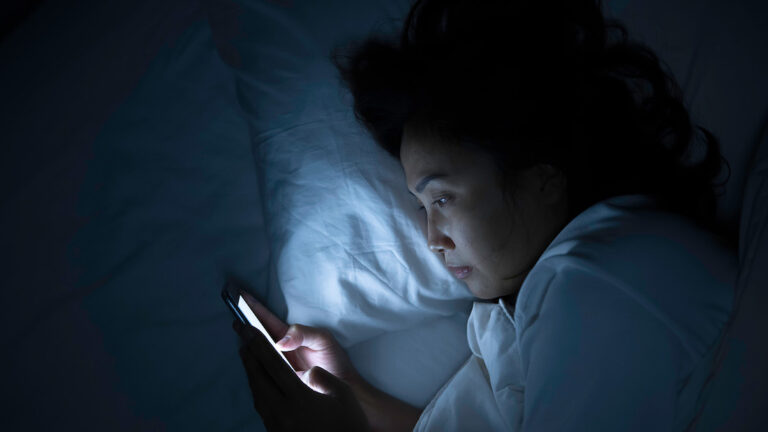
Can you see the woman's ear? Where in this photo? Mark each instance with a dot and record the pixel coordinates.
(552, 183)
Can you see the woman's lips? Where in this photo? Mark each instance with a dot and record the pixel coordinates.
(460, 272)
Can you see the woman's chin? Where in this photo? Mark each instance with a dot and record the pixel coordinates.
(481, 292)
(484, 292)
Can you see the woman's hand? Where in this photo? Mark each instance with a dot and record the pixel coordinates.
(305, 347)
(341, 399)
(285, 403)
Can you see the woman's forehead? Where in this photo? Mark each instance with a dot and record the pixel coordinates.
(423, 155)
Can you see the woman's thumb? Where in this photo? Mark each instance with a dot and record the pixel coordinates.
(322, 381)
(310, 337)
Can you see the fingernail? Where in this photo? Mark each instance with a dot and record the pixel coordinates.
(284, 340)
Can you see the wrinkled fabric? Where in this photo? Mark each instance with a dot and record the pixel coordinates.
(613, 329)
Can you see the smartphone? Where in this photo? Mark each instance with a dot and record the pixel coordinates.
(245, 315)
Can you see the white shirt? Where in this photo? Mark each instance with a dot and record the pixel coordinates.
(613, 329)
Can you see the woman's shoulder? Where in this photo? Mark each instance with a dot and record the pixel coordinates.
(659, 261)
(616, 223)
(627, 235)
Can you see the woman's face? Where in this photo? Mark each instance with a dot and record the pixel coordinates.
(486, 238)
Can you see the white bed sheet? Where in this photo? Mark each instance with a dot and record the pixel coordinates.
(128, 193)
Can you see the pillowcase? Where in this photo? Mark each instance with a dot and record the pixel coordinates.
(715, 50)
(348, 247)
(738, 391)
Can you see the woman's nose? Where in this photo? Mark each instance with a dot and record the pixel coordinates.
(437, 241)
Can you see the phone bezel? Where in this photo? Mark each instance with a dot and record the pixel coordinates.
(230, 302)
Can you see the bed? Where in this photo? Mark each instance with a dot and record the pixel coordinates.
(153, 149)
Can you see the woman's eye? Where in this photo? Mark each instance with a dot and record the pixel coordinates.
(441, 202)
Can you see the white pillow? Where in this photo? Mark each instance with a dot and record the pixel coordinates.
(716, 51)
(348, 247)
(738, 392)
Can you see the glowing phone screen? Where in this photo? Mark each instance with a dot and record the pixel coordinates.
(251, 317)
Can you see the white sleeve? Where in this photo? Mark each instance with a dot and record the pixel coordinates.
(595, 358)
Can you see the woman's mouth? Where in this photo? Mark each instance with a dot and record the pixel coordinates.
(460, 272)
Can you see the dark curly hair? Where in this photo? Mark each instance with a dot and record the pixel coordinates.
(533, 82)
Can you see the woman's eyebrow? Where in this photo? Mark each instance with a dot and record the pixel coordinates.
(423, 183)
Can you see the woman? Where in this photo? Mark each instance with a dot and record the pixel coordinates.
(562, 181)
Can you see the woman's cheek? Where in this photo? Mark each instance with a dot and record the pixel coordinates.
(473, 232)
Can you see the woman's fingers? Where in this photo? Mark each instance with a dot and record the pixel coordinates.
(311, 337)
(261, 350)
(274, 325)
(322, 381)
